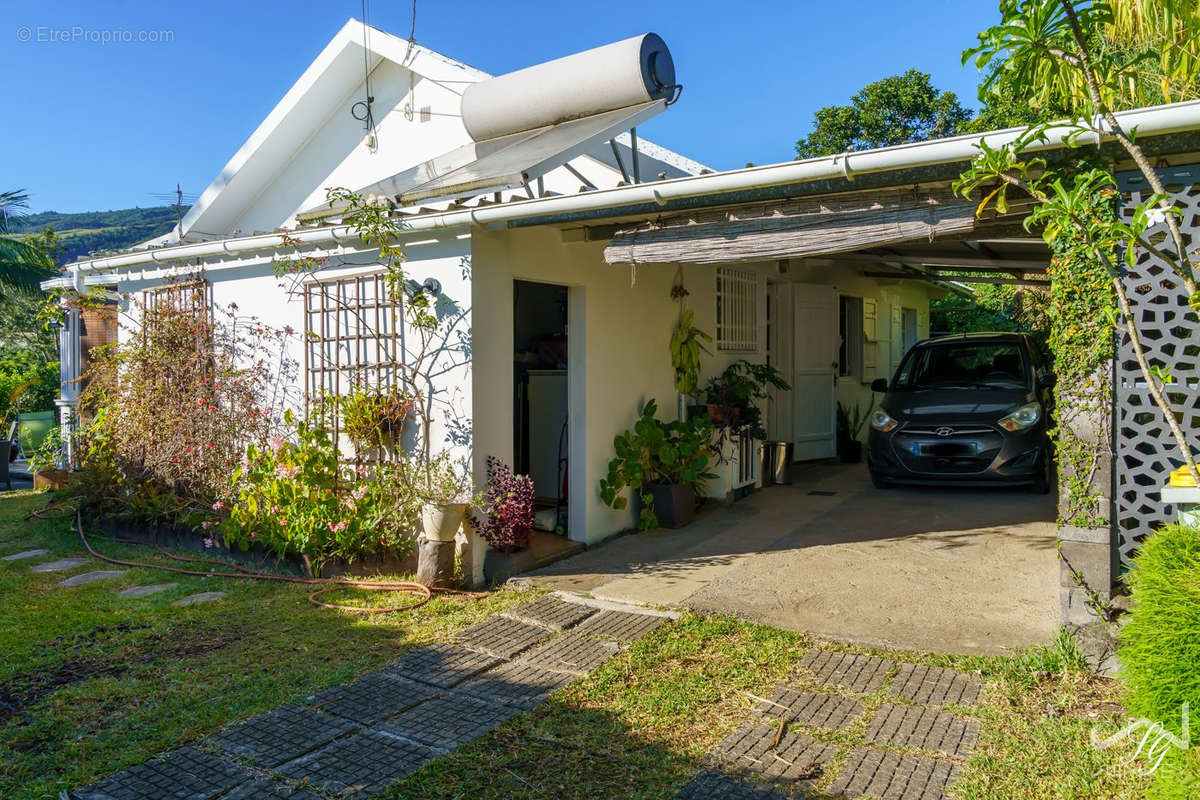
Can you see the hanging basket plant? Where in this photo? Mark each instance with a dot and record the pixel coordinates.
(374, 418)
(687, 342)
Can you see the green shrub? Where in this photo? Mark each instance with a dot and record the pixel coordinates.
(172, 411)
(1160, 645)
(27, 385)
(296, 497)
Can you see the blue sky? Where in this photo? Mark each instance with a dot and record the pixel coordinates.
(92, 126)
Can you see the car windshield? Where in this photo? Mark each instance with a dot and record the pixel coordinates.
(964, 365)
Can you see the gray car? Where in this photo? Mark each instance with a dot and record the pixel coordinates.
(971, 409)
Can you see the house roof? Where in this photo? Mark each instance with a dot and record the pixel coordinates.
(1163, 130)
(321, 91)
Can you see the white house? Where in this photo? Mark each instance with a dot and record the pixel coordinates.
(560, 245)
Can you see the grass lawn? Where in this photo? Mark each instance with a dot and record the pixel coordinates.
(91, 683)
(638, 726)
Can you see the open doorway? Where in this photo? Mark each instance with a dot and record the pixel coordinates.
(540, 382)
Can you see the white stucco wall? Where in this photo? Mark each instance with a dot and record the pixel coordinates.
(617, 355)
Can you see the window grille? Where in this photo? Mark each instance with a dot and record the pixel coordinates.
(353, 336)
(737, 310)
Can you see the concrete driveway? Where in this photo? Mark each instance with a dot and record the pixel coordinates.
(952, 570)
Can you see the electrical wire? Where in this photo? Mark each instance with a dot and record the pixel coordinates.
(424, 593)
(366, 116)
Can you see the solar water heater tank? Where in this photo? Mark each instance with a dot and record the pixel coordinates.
(618, 75)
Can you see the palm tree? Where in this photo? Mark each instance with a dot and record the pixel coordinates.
(23, 264)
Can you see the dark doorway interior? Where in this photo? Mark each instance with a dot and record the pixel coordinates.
(540, 407)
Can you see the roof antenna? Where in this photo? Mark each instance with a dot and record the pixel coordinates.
(176, 198)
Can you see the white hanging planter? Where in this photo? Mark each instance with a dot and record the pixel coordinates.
(1184, 497)
(441, 521)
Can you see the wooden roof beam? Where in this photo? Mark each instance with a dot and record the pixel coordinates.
(942, 260)
(926, 276)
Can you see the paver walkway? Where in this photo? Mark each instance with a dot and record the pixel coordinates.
(772, 757)
(354, 740)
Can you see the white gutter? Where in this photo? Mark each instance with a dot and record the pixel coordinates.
(1157, 120)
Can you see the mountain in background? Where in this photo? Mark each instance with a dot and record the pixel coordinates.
(89, 231)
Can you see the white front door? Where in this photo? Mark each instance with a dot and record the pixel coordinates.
(780, 330)
(814, 407)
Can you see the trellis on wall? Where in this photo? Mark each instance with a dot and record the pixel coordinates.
(1145, 450)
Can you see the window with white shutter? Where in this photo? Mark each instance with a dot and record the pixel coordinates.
(870, 326)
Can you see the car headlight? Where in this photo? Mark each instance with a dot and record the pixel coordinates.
(1024, 417)
(881, 422)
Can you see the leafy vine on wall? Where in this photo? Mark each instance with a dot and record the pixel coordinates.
(1082, 342)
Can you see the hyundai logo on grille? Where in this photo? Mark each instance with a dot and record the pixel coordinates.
(943, 431)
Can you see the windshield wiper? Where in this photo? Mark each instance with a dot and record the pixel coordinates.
(960, 385)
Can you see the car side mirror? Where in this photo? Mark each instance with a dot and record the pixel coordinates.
(1047, 380)
(879, 385)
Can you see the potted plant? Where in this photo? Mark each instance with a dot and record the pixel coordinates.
(45, 463)
(445, 492)
(662, 463)
(734, 397)
(849, 427)
(508, 522)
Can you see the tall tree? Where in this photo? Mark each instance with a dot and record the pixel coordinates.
(1144, 52)
(896, 110)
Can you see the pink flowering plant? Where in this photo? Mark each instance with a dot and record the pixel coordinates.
(170, 410)
(295, 497)
(508, 503)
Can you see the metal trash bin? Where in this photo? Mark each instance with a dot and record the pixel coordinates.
(777, 463)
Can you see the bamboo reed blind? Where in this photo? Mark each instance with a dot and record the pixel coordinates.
(794, 228)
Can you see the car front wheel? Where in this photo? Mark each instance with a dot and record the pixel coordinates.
(879, 482)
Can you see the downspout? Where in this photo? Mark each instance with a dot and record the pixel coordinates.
(69, 369)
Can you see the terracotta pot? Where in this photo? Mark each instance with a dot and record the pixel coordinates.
(50, 479)
(441, 521)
